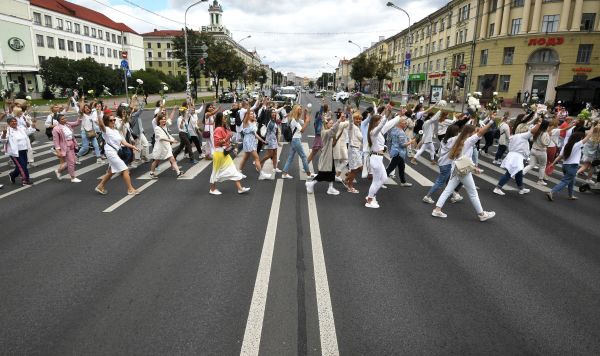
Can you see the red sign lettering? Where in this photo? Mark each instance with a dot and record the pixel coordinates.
(550, 41)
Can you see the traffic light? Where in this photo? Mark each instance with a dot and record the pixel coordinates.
(460, 80)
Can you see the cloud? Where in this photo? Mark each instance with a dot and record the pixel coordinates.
(293, 37)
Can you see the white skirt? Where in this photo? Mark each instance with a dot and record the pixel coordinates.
(115, 163)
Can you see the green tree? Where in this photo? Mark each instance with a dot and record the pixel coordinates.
(363, 67)
(311, 84)
(383, 70)
(235, 71)
(63, 73)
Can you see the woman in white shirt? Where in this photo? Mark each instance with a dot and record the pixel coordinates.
(209, 126)
(88, 131)
(570, 154)
(518, 151)
(16, 143)
(297, 125)
(539, 155)
(462, 145)
(113, 141)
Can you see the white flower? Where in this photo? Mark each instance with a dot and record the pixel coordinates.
(130, 87)
(309, 105)
(165, 88)
(469, 95)
(495, 93)
(91, 91)
(79, 79)
(169, 122)
(451, 102)
(28, 97)
(420, 132)
(442, 103)
(139, 81)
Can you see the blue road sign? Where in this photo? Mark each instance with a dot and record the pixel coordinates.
(124, 64)
(128, 73)
(407, 62)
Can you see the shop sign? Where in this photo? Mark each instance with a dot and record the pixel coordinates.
(462, 67)
(582, 70)
(550, 41)
(455, 73)
(436, 75)
(416, 76)
(16, 44)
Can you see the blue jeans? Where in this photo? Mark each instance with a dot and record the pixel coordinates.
(85, 145)
(296, 147)
(506, 177)
(20, 166)
(568, 179)
(441, 179)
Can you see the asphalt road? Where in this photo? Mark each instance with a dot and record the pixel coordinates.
(176, 270)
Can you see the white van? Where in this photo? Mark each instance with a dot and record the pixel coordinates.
(288, 92)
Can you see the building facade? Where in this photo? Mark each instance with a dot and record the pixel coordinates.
(528, 47)
(158, 47)
(58, 28)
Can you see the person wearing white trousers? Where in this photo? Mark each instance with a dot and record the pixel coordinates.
(377, 127)
(538, 155)
(462, 145)
(430, 127)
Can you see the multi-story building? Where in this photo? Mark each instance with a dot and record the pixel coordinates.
(342, 73)
(158, 47)
(58, 28)
(528, 47)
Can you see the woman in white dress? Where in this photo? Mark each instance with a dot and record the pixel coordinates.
(113, 141)
(162, 147)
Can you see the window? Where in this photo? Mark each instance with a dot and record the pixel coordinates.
(124, 40)
(70, 46)
(114, 38)
(100, 34)
(86, 30)
(108, 36)
(550, 23)
(483, 58)
(432, 47)
(419, 67)
(504, 82)
(37, 18)
(463, 13)
(149, 54)
(441, 44)
(515, 26)
(48, 20)
(149, 63)
(160, 64)
(580, 77)
(448, 42)
(41, 59)
(435, 24)
(95, 51)
(69, 26)
(119, 39)
(59, 24)
(168, 44)
(437, 64)
(509, 54)
(584, 53)
(170, 64)
(115, 53)
(39, 40)
(442, 25)
(494, 5)
(170, 72)
(587, 22)
(61, 44)
(120, 54)
(445, 63)
(93, 32)
(430, 66)
(88, 48)
(517, 3)
(491, 29)
(78, 47)
(158, 45)
(427, 48)
(102, 51)
(149, 45)
(169, 54)
(108, 52)
(449, 20)
(159, 54)
(77, 28)
(50, 41)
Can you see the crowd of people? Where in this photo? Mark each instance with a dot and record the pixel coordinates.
(348, 144)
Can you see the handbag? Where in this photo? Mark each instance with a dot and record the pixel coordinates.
(90, 133)
(463, 165)
(120, 152)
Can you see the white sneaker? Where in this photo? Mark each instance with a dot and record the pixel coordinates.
(498, 191)
(590, 181)
(243, 190)
(310, 187)
(392, 175)
(100, 161)
(263, 176)
(428, 200)
(373, 204)
(339, 179)
(286, 176)
(75, 180)
(456, 198)
(541, 182)
(215, 192)
(57, 173)
(438, 214)
(31, 164)
(486, 215)
(77, 161)
(277, 170)
(406, 184)
(383, 186)
(333, 191)
(524, 191)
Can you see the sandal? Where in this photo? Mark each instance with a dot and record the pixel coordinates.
(353, 190)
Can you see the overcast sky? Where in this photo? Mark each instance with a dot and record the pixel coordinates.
(299, 36)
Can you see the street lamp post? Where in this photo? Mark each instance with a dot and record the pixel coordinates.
(245, 38)
(359, 47)
(187, 63)
(407, 55)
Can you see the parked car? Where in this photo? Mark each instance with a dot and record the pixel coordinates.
(311, 91)
(318, 94)
(340, 95)
(226, 97)
(288, 92)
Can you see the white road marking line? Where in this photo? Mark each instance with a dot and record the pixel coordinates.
(36, 149)
(301, 174)
(162, 168)
(256, 314)
(125, 199)
(51, 169)
(195, 170)
(482, 176)
(525, 180)
(38, 163)
(22, 188)
(329, 344)
(411, 172)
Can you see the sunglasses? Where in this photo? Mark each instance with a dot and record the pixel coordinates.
(112, 120)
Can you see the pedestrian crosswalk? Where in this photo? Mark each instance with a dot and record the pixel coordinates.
(422, 174)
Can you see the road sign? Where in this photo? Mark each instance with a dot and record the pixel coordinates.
(407, 56)
(124, 64)
(124, 54)
(204, 47)
(128, 73)
(204, 55)
(407, 62)
(462, 67)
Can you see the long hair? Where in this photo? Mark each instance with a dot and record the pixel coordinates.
(451, 131)
(374, 122)
(456, 149)
(543, 127)
(575, 137)
(517, 122)
(296, 112)
(219, 119)
(595, 135)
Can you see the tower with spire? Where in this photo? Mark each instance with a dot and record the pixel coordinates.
(215, 11)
